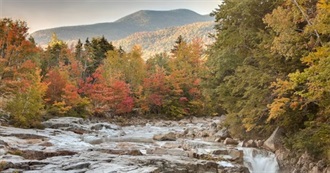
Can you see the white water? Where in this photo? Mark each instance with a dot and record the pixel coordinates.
(260, 161)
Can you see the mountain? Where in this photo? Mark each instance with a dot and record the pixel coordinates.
(163, 40)
(144, 20)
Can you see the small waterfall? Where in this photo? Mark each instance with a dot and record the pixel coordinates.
(260, 161)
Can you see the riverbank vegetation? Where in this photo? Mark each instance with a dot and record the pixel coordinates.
(268, 67)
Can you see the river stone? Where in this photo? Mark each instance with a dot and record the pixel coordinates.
(171, 136)
(100, 126)
(236, 155)
(220, 152)
(249, 143)
(274, 141)
(222, 134)
(230, 141)
(62, 122)
(76, 166)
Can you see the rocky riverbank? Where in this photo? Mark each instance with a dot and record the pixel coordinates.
(75, 145)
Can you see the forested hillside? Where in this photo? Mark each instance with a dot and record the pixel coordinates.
(154, 42)
(267, 68)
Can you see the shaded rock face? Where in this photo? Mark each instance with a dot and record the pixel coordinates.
(77, 145)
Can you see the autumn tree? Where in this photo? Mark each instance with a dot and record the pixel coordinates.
(20, 83)
(184, 79)
(15, 49)
(26, 106)
(107, 95)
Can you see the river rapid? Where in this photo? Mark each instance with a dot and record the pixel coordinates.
(75, 145)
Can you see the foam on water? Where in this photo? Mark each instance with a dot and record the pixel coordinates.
(260, 161)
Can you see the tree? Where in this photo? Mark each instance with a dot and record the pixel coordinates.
(240, 65)
(107, 95)
(301, 105)
(158, 61)
(15, 49)
(129, 67)
(186, 67)
(155, 92)
(96, 52)
(16, 52)
(27, 105)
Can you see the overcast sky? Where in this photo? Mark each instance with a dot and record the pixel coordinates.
(42, 14)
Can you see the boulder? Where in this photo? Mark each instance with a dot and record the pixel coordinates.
(230, 141)
(62, 122)
(273, 143)
(222, 134)
(236, 155)
(171, 136)
(220, 152)
(100, 126)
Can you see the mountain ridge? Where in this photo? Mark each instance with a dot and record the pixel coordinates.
(143, 20)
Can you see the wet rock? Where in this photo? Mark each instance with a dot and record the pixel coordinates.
(217, 140)
(230, 141)
(3, 143)
(220, 152)
(192, 154)
(236, 169)
(191, 133)
(76, 166)
(222, 134)
(40, 155)
(236, 155)
(172, 152)
(57, 123)
(273, 143)
(14, 167)
(46, 144)
(27, 136)
(249, 143)
(203, 134)
(175, 166)
(191, 144)
(100, 126)
(171, 136)
(121, 152)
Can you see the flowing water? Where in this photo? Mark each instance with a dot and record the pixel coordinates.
(260, 161)
(105, 147)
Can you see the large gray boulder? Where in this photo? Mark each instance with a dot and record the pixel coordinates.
(230, 141)
(273, 143)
